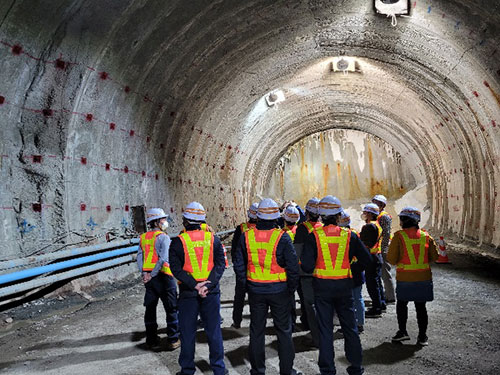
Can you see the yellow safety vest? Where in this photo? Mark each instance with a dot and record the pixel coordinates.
(150, 256)
(311, 227)
(247, 226)
(198, 253)
(377, 248)
(332, 262)
(291, 231)
(261, 246)
(409, 262)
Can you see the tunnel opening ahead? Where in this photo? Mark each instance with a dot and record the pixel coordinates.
(352, 165)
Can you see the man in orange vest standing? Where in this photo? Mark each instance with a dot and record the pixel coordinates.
(411, 251)
(305, 290)
(385, 222)
(152, 259)
(239, 289)
(371, 236)
(197, 261)
(267, 264)
(327, 254)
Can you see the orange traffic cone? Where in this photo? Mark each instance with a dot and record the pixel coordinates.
(443, 257)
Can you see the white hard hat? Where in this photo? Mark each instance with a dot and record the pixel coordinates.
(155, 214)
(312, 205)
(380, 198)
(291, 214)
(252, 211)
(345, 219)
(194, 211)
(329, 205)
(268, 210)
(411, 212)
(371, 208)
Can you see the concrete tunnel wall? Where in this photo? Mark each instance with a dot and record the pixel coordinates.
(105, 105)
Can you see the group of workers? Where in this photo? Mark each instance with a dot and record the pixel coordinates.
(280, 251)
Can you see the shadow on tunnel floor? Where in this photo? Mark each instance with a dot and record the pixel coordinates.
(389, 353)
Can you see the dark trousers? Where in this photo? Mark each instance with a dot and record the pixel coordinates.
(280, 311)
(343, 306)
(209, 310)
(422, 318)
(161, 287)
(373, 274)
(309, 308)
(239, 302)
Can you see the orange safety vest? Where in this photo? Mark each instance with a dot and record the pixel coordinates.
(312, 225)
(377, 248)
(416, 252)
(150, 257)
(332, 262)
(247, 226)
(291, 231)
(261, 251)
(198, 253)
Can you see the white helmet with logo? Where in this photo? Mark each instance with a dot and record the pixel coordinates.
(268, 210)
(345, 219)
(411, 212)
(380, 198)
(252, 211)
(312, 205)
(371, 208)
(329, 205)
(155, 214)
(194, 211)
(291, 214)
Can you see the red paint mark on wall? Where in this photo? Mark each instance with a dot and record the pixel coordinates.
(37, 207)
(61, 64)
(125, 169)
(127, 208)
(126, 89)
(486, 83)
(37, 158)
(83, 160)
(112, 126)
(47, 112)
(108, 208)
(103, 75)
(2, 100)
(83, 206)
(89, 117)
(476, 94)
(131, 133)
(17, 49)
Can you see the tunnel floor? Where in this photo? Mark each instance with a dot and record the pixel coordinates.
(107, 334)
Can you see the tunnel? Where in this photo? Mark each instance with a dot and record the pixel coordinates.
(107, 106)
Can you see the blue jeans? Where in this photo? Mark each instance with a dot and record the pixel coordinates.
(359, 305)
(343, 306)
(209, 310)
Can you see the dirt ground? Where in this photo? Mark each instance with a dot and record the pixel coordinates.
(106, 334)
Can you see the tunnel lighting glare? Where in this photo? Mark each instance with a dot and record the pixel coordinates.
(392, 8)
(275, 97)
(343, 64)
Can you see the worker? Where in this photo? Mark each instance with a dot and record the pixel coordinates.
(152, 260)
(305, 290)
(327, 254)
(265, 261)
(197, 261)
(411, 251)
(239, 289)
(281, 221)
(371, 236)
(291, 216)
(385, 222)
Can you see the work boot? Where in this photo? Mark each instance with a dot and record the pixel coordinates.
(153, 343)
(172, 345)
(401, 336)
(422, 340)
(373, 313)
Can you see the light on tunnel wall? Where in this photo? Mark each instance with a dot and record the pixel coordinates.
(343, 64)
(392, 8)
(275, 97)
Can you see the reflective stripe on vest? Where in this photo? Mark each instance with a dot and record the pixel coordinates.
(377, 248)
(150, 255)
(225, 256)
(261, 250)
(198, 253)
(332, 262)
(203, 226)
(310, 227)
(246, 227)
(409, 262)
(291, 231)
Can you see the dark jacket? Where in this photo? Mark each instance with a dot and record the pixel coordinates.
(328, 287)
(188, 283)
(285, 257)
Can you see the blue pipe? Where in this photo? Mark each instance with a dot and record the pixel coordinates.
(19, 275)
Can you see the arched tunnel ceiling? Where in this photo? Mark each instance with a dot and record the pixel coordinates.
(186, 81)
